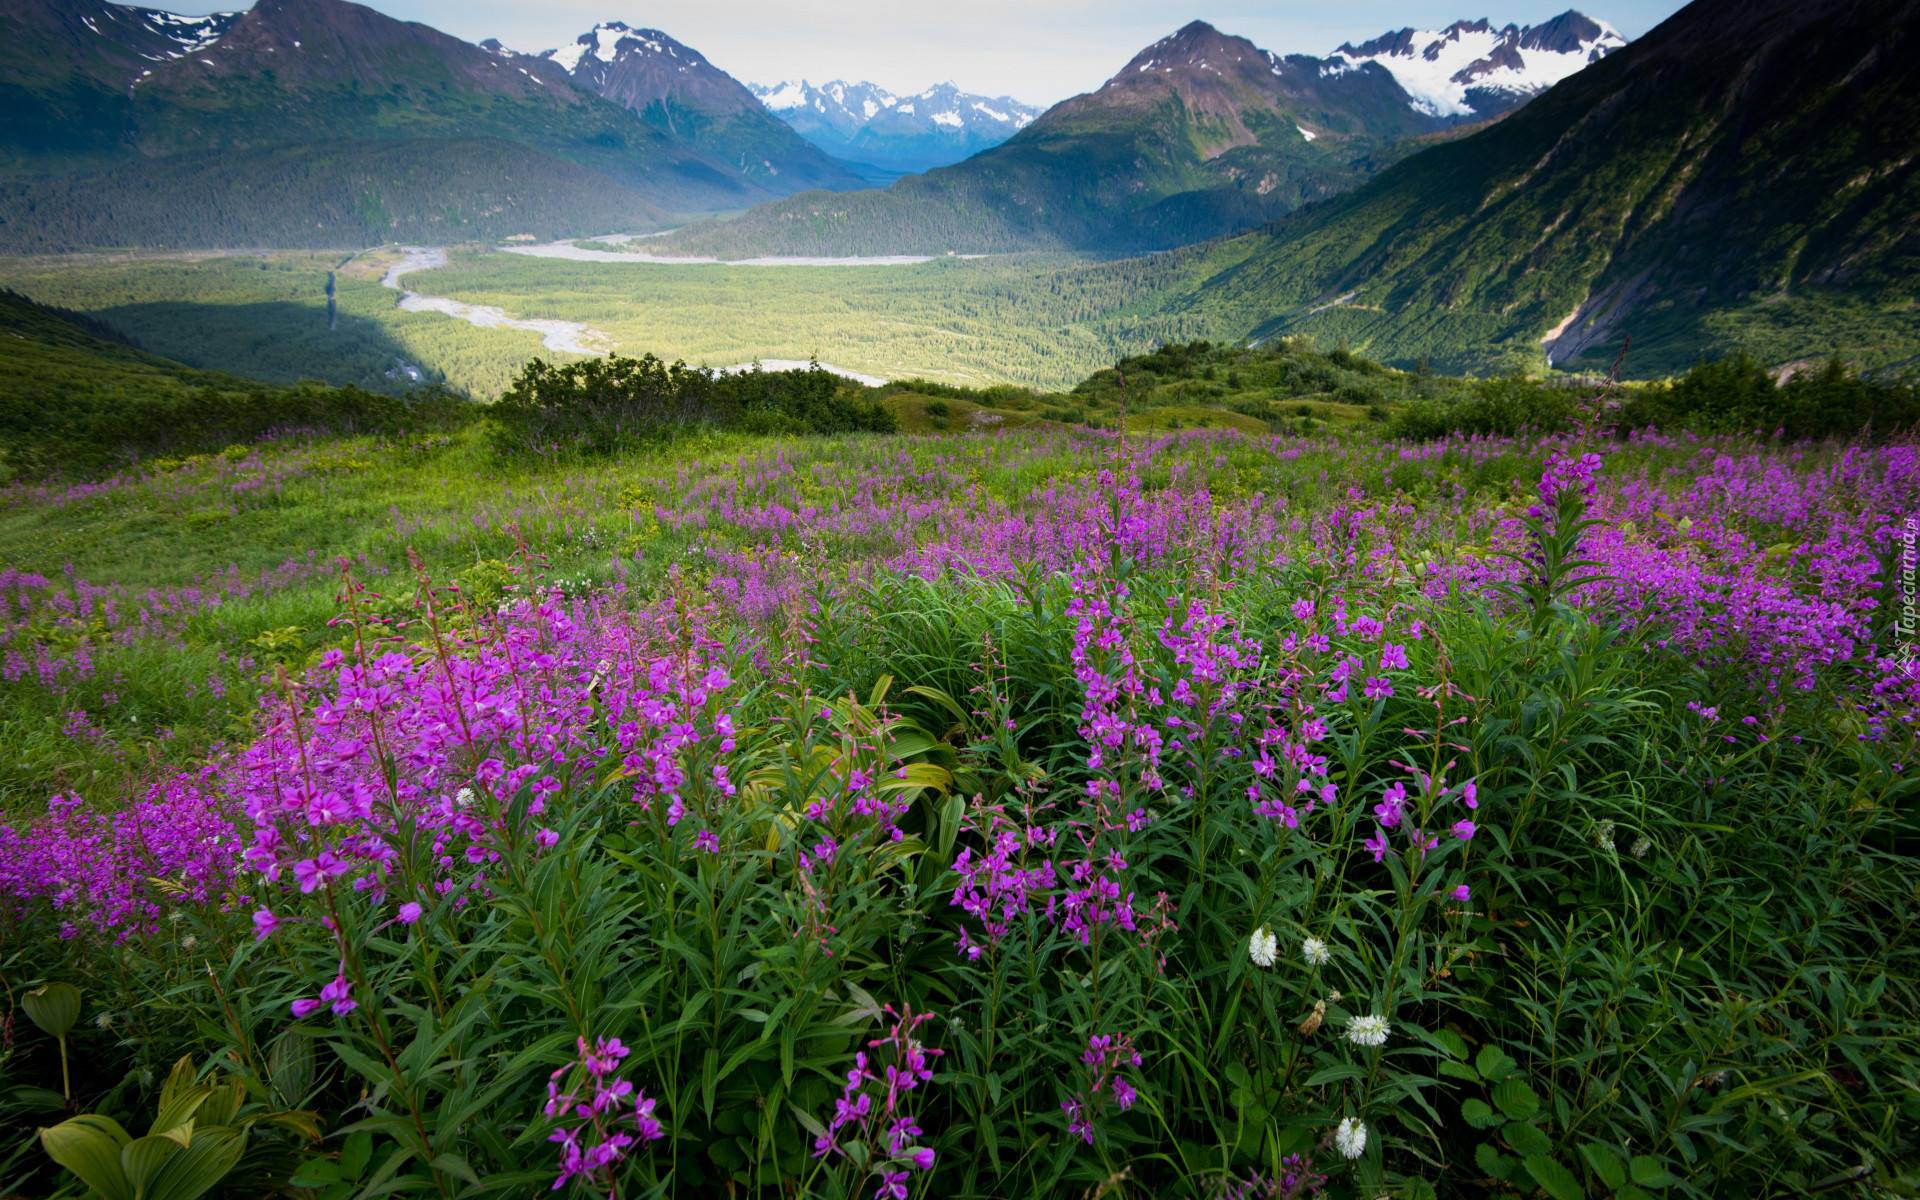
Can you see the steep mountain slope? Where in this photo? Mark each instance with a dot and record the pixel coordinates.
(288, 117)
(1743, 177)
(1472, 69)
(891, 135)
(64, 70)
(337, 195)
(1201, 134)
(297, 71)
(674, 89)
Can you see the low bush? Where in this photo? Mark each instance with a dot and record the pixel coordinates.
(602, 405)
(1737, 395)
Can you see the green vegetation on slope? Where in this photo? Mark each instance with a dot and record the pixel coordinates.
(72, 402)
(1044, 321)
(1199, 136)
(1738, 179)
(343, 194)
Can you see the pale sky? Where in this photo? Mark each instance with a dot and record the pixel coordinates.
(1037, 51)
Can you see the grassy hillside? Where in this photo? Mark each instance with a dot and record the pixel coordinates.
(75, 402)
(1737, 179)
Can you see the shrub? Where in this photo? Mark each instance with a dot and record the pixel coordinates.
(1737, 395)
(602, 405)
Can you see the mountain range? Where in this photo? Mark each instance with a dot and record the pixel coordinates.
(295, 124)
(674, 89)
(1745, 177)
(884, 136)
(1201, 134)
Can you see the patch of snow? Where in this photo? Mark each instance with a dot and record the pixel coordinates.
(1306, 133)
(998, 116)
(870, 108)
(606, 41)
(569, 56)
(785, 95)
(1439, 66)
(905, 108)
(949, 119)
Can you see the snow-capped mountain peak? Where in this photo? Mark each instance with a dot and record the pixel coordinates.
(864, 123)
(847, 108)
(1472, 69)
(610, 41)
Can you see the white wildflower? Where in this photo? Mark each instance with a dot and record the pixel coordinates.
(176, 916)
(1264, 947)
(1350, 1138)
(463, 797)
(189, 942)
(1315, 952)
(1367, 1031)
(1641, 845)
(1603, 836)
(104, 1020)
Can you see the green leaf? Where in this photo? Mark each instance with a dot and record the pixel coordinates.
(317, 1172)
(1459, 1071)
(196, 1170)
(1493, 1063)
(453, 1164)
(1516, 1099)
(1630, 1192)
(1334, 1074)
(89, 1146)
(1451, 1042)
(1556, 1179)
(141, 1158)
(1491, 1161)
(1526, 1140)
(54, 1007)
(1647, 1172)
(355, 1153)
(1479, 1115)
(1605, 1163)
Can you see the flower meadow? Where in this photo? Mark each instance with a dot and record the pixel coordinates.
(1022, 814)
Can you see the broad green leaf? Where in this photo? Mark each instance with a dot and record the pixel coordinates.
(318, 1172)
(355, 1153)
(1493, 1062)
(1556, 1179)
(1516, 1099)
(1605, 1163)
(1648, 1173)
(196, 1170)
(142, 1157)
(1491, 1161)
(89, 1146)
(54, 1007)
(1459, 1071)
(1526, 1140)
(1479, 1115)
